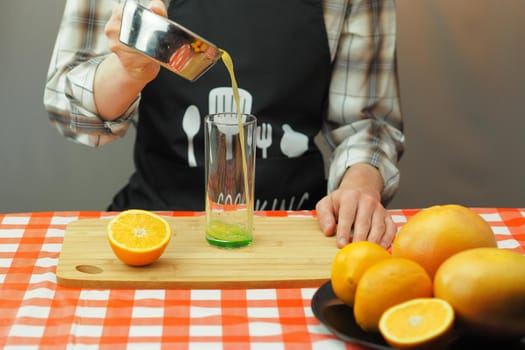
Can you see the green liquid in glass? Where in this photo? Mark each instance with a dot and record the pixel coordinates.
(222, 234)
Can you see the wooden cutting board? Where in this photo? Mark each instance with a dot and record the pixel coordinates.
(286, 252)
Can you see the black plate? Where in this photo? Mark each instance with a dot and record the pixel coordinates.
(339, 319)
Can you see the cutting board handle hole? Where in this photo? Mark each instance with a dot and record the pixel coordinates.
(89, 269)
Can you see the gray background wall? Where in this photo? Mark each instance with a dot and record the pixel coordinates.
(40, 170)
(462, 70)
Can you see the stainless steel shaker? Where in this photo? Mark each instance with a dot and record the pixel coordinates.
(175, 47)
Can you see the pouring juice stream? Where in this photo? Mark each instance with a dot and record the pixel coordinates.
(231, 235)
(228, 62)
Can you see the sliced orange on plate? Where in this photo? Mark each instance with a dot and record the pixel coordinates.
(138, 237)
(421, 323)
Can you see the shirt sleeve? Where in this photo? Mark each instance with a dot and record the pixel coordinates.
(68, 96)
(364, 121)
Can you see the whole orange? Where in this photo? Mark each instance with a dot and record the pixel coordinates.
(385, 284)
(350, 263)
(486, 288)
(436, 233)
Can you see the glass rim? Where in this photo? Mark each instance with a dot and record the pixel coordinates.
(249, 118)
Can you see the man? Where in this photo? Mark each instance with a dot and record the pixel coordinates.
(321, 70)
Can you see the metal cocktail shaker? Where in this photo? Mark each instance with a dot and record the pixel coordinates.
(175, 47)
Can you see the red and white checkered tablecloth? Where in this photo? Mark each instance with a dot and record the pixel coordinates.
(35, 312)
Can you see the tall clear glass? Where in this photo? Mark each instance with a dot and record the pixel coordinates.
(230, 177)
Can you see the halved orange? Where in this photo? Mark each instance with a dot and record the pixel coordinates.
(418, 323)
(138, 237)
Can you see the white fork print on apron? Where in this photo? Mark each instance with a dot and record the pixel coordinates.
(264, 138)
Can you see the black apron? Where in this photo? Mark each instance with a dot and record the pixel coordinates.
(282, 64)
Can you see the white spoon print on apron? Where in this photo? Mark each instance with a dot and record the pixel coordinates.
(191, 122)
